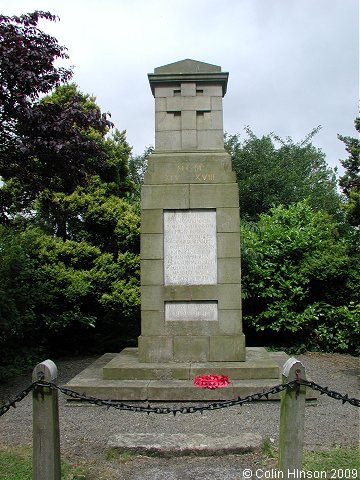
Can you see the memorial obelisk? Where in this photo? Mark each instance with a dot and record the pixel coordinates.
(191, 322)
(190, 240)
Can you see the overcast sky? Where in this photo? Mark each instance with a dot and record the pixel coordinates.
(293, 64)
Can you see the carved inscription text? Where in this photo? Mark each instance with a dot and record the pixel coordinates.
(190, 256)
(191, 311)
(197, 172)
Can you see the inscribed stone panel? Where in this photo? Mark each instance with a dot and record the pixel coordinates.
(190, 255)
(191, 311)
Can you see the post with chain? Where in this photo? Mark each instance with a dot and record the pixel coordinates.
(292, 415)
(46, 433)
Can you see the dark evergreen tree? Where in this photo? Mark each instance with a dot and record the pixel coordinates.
(350, 181)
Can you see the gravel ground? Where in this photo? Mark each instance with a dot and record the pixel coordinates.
(85, 430)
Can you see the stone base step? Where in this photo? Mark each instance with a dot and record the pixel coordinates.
(179, 444)
(91, 382)
(126, 366)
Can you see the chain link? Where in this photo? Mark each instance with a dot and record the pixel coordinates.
(40, 383)
(330, 393)
(12, 403)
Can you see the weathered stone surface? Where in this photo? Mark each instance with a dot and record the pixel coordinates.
(166, 140)
(179, 444)
(228, 245)
(152, 221)
(216, 99)
(259, 365)
(191, 311)
(230, 322)
(194, 348)
(214, 195)
(209, 121)
(152, 322)
(125, 367)
(165, 121)
(228, 219)
(203, 74)
(191, 292)
(187, 66)
(152, 272)
(165, 196)
(188, 139)
(152, 246)
(229, 348)
(189, 168)
(188, 108)
(229, 270)
(152, 297)
(190, 255)
(155, 349)
(190, 245)
(188, 89)
(214, 138)
(229, 296)
(198, 328)
(91, 382)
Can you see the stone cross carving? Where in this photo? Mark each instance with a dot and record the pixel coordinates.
(190, 105)
(188, 110)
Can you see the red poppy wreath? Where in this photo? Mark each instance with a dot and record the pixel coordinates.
(212, 381)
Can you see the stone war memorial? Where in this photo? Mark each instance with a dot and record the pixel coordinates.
(191, 318)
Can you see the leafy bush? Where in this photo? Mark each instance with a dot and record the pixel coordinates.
(295, 265)
(56, 294)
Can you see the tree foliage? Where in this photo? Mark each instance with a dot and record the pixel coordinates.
(137, 169)
(350, 181)
(60, 147)
(27, 70)
(69, 239)
(63, 296)
(300, 280)
(280, 175)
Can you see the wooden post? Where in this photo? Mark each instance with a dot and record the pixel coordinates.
(292, 415)
(46, 433)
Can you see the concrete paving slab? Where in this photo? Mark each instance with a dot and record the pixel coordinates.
(179, 444)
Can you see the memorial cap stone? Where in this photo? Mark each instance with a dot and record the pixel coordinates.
(188, 106)
(190, 71)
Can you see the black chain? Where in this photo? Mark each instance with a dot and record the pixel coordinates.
(174, 410)
(330, 393)
(12, 403)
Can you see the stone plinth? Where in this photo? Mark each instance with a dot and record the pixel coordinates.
(190, 260)
(157, 382)
(146, 388)
(126, 366)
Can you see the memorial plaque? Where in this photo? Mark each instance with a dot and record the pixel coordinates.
(190, 256)
(194, 311)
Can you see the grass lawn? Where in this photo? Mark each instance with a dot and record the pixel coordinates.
(339, 463)
(16, 464)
